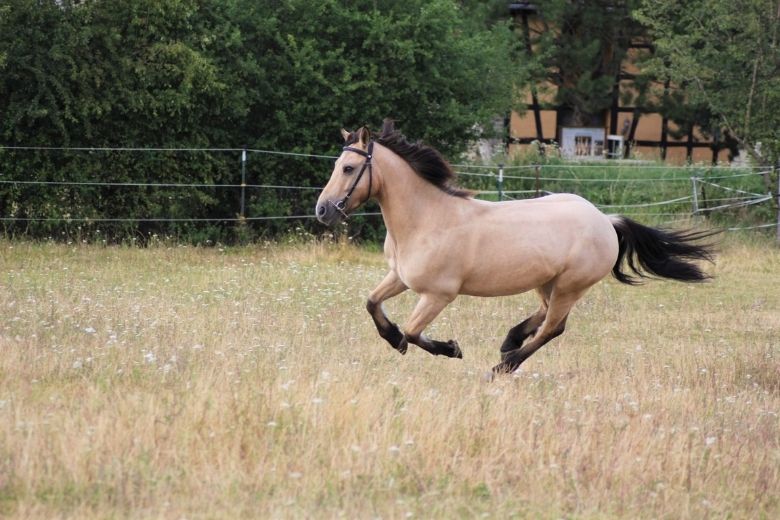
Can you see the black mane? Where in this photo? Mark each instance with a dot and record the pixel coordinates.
(425, 160)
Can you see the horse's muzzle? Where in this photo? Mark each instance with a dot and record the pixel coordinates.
(328, 213)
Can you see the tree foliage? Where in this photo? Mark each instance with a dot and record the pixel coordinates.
(579, 51)
(725, 58)
(280, 75)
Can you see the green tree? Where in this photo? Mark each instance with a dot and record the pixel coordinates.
(107, 74)
(579, 51)
(724, 56)
(428, 64)
(282, 75)
(331, 63)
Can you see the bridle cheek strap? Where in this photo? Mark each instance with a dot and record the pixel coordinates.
(368, 154)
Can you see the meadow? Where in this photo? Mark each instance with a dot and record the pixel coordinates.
(249, 382)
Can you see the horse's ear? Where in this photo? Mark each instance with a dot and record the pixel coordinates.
(388, 127)
(345, 135)
(364, 135)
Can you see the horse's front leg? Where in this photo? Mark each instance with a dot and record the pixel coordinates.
(387, 288)
(427, 309)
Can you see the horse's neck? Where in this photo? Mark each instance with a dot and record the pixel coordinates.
(410, 205)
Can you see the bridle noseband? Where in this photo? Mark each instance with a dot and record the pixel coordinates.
(368, 154)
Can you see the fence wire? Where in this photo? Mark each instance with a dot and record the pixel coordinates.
(492, 172)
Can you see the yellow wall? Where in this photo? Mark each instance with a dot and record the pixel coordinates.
(649, 127)
(525, 125)
(549, 124)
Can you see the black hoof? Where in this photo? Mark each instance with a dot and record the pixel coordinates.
(402, 346)
(501, 369)
(456, 352)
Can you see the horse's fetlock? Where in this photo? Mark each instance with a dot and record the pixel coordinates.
(391, 333)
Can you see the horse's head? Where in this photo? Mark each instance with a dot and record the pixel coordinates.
(351, 182)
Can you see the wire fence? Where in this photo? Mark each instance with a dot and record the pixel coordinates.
(708, 189)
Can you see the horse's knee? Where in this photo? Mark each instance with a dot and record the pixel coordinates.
(371, 306)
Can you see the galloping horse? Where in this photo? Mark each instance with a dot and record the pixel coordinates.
(442, 242)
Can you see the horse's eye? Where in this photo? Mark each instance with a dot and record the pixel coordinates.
(348, 170)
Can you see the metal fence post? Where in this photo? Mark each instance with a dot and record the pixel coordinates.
(776, 176)
(500, 182)
(538, 169)
(242, 213)
(702, 202)
(695, 198)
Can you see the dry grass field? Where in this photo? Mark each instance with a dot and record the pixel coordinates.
(177, 382)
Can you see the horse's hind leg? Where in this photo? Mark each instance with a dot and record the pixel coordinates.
(518, 334)
(390, 286)
(552, 326)
(424, 313)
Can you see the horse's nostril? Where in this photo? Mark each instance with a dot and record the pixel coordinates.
(320, 211)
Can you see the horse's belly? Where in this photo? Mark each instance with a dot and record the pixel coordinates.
(505, 280)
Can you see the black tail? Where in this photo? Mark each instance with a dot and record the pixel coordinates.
(652, 252)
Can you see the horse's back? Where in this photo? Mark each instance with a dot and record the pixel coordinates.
(559, 213)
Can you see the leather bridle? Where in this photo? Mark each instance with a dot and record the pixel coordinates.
(368, 154)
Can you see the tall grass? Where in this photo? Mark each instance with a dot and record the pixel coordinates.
(203, 383)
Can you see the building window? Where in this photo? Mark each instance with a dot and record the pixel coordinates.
(582, 143)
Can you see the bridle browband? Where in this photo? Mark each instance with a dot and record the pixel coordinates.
(368, 154)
